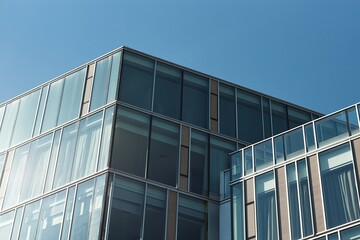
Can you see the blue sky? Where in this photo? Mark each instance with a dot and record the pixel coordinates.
(303, 51)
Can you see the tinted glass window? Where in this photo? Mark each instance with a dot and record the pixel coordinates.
(164, 152)
(6, 220)
(263, 155)
(130, 141)
(238, 211)
(8, 124)
(250, 126)
(40, 110)
(199, 162)
(136, 82)
(297, 117)
(267, 117)
(279, 117)
(196, 100)
(106, 138)
(227, 110)
(167, 98)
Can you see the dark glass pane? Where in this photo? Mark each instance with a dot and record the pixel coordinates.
(352, 120)
(293, 201)
(263, 155)
(250, 125)
(191, 219)
(297, 117)
(164, 152)
(331, 129)
(267, 117)
(199, 162)
(130, 141)
(309, 136)
(136, 82)
(155, 214)
(279, 117)
(219, 160)
(238, 211)
(127, 209)
(167, 98)
(248, 158)
(236, 165)
(294, 143)
(350, 233)
(196, 100)
(227, 110)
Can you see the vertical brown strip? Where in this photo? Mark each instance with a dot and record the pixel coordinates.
(214, 86)
(171, 218)
(249, 187)
(88, 88)
(356, 152)
(184, 157)
(214, 106)
(185, 136)
(250, 220)
(316, 192)
(283, 206)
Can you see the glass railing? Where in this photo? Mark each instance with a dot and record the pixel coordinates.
(296, 142)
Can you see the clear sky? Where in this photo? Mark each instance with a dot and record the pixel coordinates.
(303, 51)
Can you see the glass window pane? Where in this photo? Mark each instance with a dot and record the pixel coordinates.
(227, 110)
(52, 161)
(2, 111)
(155, 214)
(333, 236)
(297, 117)
(195, 100)
(238, 212)
(292, 187)
(199, 158)
(263, 155)
(17, 223)
(250, 125)
(131, 138)
(167, 98)
(30, 221)
(37, 164)
(127, 209)
(294, 143)
(236, 165)
(68, 214)
(52, 105)
(51, 216)
(191, 219)
(106, 76)
(279, 149)
(40, 111)
(66, 155)
(309, 135)
(164, 152)
(2, 164)
(351, 233)
(341, 202)
(267, 117)
(248, 159)
(219, 161)
(8, 124)
(16, 177)
(266, 212)
(279, 117)
(85, 220)
(331, 129)
(106, 138)
(72, 96)
(87, 146)
(6, 222)
(352, 120)
(136, 84)
(25, 117)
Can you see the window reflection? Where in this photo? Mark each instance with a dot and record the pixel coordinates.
(227, 110)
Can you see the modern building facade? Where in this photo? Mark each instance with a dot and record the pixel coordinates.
(300, 184)
(129, 146)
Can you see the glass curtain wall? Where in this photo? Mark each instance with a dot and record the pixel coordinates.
(238, 212)
(227, 110)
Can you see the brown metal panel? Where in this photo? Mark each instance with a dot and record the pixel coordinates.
(185, 136)
(249, 190)
(214, 125)
(91, 69)
(85, 108)
(283, 206)
(250, 220)
(214, 87)
(356, 151)
(88, 87)
(183, 182)
(214, 107)
(316, 193)
(184, 161)
(171, 219)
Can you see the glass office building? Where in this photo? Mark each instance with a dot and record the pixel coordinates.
(129, 146)
(300, 184)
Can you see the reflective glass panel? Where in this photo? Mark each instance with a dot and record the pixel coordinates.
(333, 236)
(87, 146)
(6, 222)
(40, 111)
(294, 143)
(263, 155)
(66, 155)
(127, 209)
(68, 214)
(266, 211)
(351, 233)
(227, 110)
(248, 160)
(164, 152)
(105, 79)
(341, 202)
(279, 117)
(30, 221)
(309, 136)
(2, 163)
(219, 160)
(236, 165)
(52, 161)
(279, 149)
(2, 111)
(136, 84)
(238, 212)
(191, 219)
(106, 138)
(8, 124)
(155, 213)
(131, 139)
(167, 98)
(293, 201)
(17, 223)
(195, 100)
(352, 120)
(267, 117)
(297, 117)
(331, 129)
(25, 117)
(199, 162)
(250, 126)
